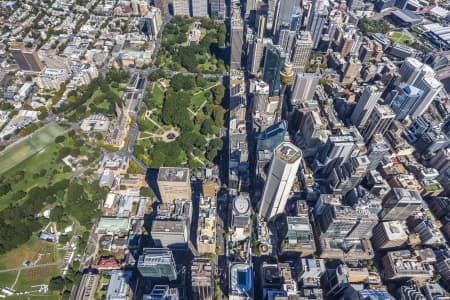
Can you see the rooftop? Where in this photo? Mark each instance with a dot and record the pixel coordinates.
(288, 152)
(173, 174)
(241, 278)
(168, 226)
(395, 230)
(155, 256)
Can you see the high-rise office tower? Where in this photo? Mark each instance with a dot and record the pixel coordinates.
(389, 235)
(296, 20)
(273, 64)
(251, 7)
(286, 79)
(27, 59)
(260, 97)
(174, 183)
(261, 26)
(302, 51)
(257, 52)
(376, 151)
(351, 71)
(282, 173)
(337, 150)
(356, 42)
(271, 6)
(151, 23)
(346, 44)
(180, 7)
(366, 52)
(284, 11)
(286, 38)
(237, 41)
(377, 51)
(162, 292)
(344, 178)
(379, 121)
(431, 88)
(345, 222)
(199, 8)
(399, 204)
(163, 6)
(403, 99)
(365, 106)
(217, 8)
(412, 71)
(157, 263)
(317, 21)
(304, 87)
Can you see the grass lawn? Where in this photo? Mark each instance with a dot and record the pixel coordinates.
(40, 169)
(158, 94)
(36, 276)
(7, 278)
(28, 147)
(35, 297)
(399, 37)
(29, 251)
(44, 160)
(196, 101)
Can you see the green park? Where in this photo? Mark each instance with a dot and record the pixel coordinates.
(181, 123)
(177, 54)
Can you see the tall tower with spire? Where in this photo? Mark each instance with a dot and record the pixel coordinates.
(286, 79)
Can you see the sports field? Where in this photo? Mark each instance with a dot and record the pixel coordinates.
(38, 141)
(399, 37)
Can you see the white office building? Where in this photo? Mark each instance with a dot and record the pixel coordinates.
(282, 173)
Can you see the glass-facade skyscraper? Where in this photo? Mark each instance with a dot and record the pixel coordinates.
(273, 64)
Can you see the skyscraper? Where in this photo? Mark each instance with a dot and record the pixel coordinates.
(180, 7)
(273, 64)
(217, 8)
(261, 27)
(260, 97)
(304, 87)
(365, 105)
(318, 18)
(286, 38)
(405, 96)
(379, 121)
(302, 51)
(286, 78)
(199, 8)
(282, 173)
(346, 44)
(257, 52)
(250, 9)
(376, 151)
(237, 41)
(174, 183)
(399, 204)
(157, 263)
(296, 20)
(430, 87)
(26, 58)
(412, 71)
(163, 6)
(271, 6)
(151, 23)
(351, 71)
(285, 10)
(337, 150)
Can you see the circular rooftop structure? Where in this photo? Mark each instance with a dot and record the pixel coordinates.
(241, 204)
